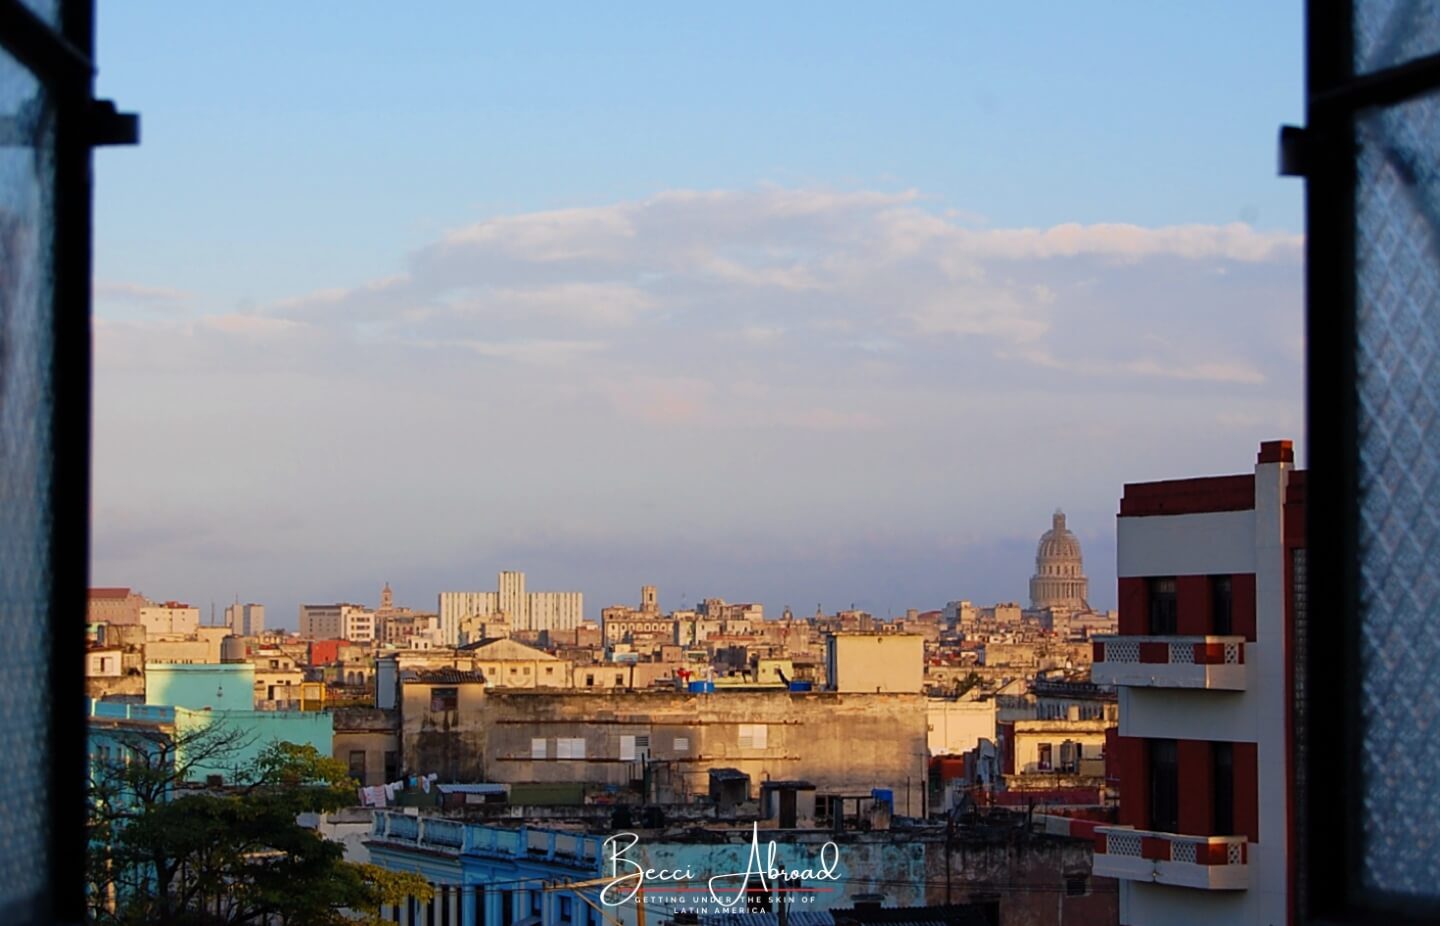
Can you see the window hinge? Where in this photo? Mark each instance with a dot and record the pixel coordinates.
(109, 126)
(1295, 151)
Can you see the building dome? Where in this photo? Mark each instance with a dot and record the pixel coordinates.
(1059, 580)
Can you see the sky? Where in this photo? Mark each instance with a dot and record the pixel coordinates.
(825, 305)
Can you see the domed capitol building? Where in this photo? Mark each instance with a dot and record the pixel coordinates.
(1059, 580)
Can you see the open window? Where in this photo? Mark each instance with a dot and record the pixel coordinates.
(1367, 805)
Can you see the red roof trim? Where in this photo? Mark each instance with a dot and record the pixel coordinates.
(1188, 496)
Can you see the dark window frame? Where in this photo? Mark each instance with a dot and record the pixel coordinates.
(1325, 153)
(1162, 760)
(61, 58)
(1222, 606)
(1222, 783)
(1322, 152)
(444, 698)
(1162, 606)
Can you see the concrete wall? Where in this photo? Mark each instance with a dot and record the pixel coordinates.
(1029, 873)
(219, 687)
(449, 743)
(1209, 543)
(839, 742)
(372, 732)
(955, 727)
(257, 729)
(891, 662)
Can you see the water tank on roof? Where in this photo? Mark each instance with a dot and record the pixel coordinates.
(232, 649)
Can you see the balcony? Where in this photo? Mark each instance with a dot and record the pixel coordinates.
(1209, 863)
(1170, 662)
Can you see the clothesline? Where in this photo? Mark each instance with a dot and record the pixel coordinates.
(382, 795)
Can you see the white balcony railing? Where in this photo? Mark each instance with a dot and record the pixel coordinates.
(1213, 863)
(1170, 662)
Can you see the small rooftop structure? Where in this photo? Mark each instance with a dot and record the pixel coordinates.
(443, 676)
(728, 787)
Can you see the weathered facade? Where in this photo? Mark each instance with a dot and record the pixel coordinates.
(367, 740)
(666, 740)
(442, 723)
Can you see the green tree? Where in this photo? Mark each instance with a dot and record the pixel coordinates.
(232, 856)
(963, 685)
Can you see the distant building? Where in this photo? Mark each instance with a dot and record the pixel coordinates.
(524, 610)
(337, 622)
(114, 606)
(170, 618)
(245, 620)
(1059, 580)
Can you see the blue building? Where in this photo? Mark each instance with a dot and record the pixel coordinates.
(488, 874)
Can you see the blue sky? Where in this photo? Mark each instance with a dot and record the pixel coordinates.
(418, 294)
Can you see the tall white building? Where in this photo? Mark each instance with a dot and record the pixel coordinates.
(555, 610)
(245, 620)
(513, 603)
(455, 607)
(524, 610)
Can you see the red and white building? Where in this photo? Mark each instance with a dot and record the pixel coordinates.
(1211, 581)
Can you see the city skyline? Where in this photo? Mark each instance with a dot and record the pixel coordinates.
(838, 319)
(384, 599)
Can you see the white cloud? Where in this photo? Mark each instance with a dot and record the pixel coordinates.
(771, 369)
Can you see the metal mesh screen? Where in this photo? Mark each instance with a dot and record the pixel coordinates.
(1391, 32)
(1398, 345)
(26, 285)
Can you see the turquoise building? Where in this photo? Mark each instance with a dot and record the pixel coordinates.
(184, 698)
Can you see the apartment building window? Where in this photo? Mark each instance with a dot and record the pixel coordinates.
(392, 765)
(444, 699)
(1164, 786)
(753, 736)
(1220, 622)
(1222, 761)
(1045, 756)
(357, 764)
(1161, 604)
